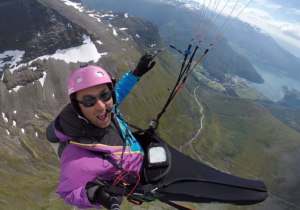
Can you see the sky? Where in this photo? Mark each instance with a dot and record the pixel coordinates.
(279, 18)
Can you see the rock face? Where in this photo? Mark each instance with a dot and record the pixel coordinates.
(291, 97)
(37, 30)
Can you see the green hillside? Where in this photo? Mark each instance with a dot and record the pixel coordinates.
(289, 115)
(241, 137)
(29, 167)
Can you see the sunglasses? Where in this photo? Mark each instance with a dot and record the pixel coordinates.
(90, 101)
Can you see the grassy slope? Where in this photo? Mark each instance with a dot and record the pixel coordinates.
(243, 138)
(31, 184)
(30, 170)
(288, 115)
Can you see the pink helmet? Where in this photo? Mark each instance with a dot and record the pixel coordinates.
(86, 77)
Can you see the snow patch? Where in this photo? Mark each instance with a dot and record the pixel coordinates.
(53, 95)
(36, 116)
(109, 25)
(126, 39)
(107, 15)
(190, 7)
(36, 134)
(96, 17)
(5, 118)
(16, 56)
(123, 29)
(14, 123)
(23, 131)
(259, 30)
(83, 53)
(99, 42)
(77, 6)
(42, 80)
(152, 45)
(15, 112)
(126, 15)
(8, 133)
(137, 36)
(17, 88)
(115, 32)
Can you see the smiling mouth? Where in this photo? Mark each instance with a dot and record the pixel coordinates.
(102, 117)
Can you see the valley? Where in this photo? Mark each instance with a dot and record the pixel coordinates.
(218, 118)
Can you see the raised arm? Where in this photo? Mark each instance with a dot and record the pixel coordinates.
(130, 79)
(124, 87)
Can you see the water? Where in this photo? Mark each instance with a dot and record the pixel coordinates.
(105, 20)
(271, 88)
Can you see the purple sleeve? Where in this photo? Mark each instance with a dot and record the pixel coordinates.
(78, 197)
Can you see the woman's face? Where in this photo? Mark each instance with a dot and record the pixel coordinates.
(96, 114)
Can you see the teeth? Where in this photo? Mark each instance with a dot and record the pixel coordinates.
(100, 115)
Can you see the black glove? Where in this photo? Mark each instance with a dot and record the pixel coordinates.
(143, 66)
(103, 194)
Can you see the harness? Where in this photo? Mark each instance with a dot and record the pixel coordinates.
(145, 189)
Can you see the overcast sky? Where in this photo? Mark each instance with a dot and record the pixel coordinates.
(279, 18)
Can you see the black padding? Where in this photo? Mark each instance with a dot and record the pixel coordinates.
(50, 134)
(191, 181)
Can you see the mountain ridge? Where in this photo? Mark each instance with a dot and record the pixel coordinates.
(30, 168)
(169, 19)
(254, 44)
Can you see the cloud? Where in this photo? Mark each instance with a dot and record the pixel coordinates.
(293, 11)
(264, 18)
(290, 29)
(258, 14)
(266, 3)
(260, 17)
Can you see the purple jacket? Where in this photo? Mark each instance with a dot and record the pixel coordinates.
(79, 165)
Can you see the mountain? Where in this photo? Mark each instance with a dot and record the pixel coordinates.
(44, 42)
(290, 96)
(237, 135)
(255, 44)
(287, 109)
(175, 20)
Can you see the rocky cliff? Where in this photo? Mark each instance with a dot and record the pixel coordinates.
(238, 136)
(41, 42)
